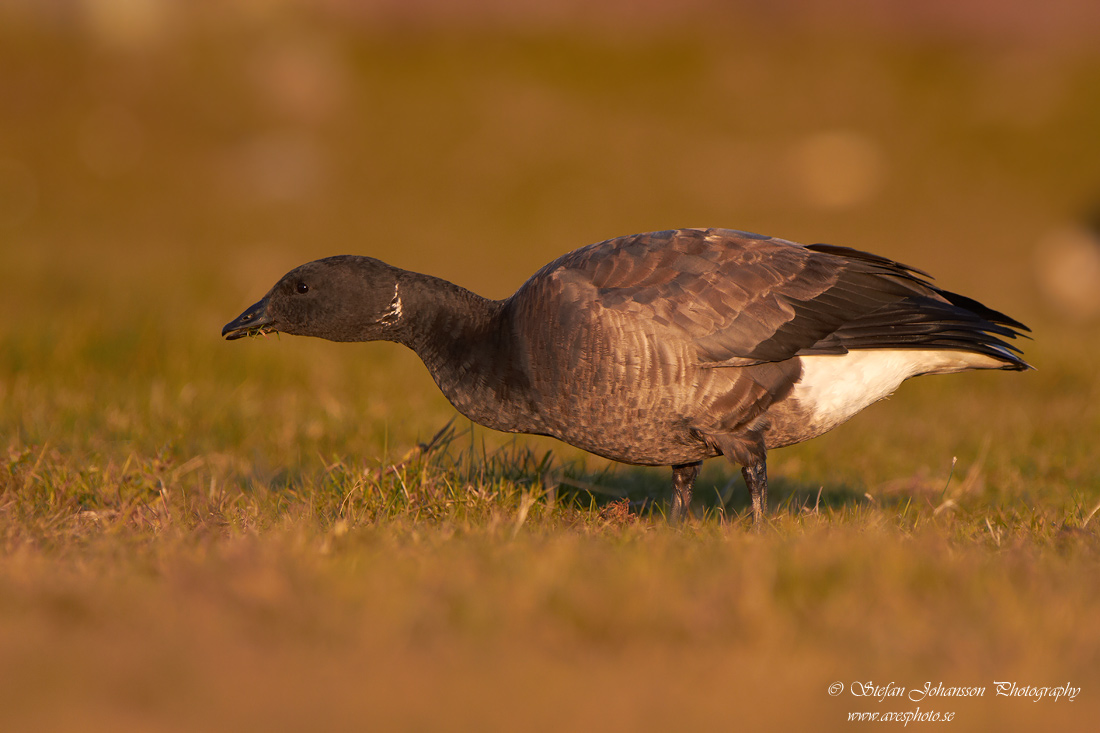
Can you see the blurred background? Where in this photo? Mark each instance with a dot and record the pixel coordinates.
(162, 163)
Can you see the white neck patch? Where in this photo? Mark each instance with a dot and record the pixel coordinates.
(392, 313)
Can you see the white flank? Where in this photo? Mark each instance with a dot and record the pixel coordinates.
(834, 388)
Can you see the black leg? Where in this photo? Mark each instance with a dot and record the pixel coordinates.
(683, 479)
(756, 478)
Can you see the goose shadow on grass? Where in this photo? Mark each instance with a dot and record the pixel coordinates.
(720, 491)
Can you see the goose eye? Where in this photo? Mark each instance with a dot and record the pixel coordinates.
(302, 287)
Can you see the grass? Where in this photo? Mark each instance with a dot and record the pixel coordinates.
(478, 586)
(285, 534)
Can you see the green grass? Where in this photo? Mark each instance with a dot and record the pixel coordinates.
(249, 535)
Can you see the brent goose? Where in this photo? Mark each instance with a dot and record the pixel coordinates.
(660, 349)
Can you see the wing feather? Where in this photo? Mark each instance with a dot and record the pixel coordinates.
(743, 299)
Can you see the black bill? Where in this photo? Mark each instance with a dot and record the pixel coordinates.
(253, 322)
